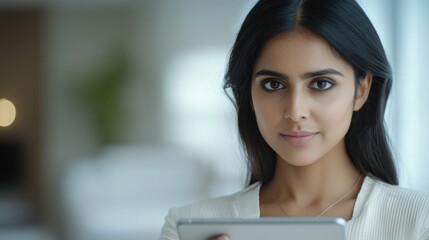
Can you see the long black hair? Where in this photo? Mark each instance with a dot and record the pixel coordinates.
(347, 29)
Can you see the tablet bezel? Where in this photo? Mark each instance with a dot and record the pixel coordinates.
(268, 228)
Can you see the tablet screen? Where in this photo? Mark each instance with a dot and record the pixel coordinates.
(263, 229)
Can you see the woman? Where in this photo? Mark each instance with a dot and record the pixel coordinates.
(310, 82)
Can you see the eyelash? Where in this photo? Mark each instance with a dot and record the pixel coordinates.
(266, 83)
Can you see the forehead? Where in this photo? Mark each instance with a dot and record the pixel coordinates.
(299, 51)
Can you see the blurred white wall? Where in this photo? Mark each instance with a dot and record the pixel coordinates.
(402, 26)
(410, 102)
(155, 32)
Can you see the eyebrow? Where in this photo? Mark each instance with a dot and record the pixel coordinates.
(328, 71)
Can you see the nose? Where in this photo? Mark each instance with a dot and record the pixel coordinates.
(297, 109)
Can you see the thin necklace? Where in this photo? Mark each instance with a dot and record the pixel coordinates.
(330, 206)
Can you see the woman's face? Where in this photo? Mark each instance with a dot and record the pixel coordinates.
(303, 96)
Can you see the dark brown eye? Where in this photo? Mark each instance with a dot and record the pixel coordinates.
(322, 85)
(272, 85)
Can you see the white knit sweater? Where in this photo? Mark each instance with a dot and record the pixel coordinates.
(381, 212)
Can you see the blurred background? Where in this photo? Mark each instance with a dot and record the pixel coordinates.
(112, 111)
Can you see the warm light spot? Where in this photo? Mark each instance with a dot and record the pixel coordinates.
(7, 112)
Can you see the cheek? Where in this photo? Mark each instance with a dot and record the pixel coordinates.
(267, 112)
(336, 115)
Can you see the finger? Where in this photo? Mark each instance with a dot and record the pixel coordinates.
(220, 237)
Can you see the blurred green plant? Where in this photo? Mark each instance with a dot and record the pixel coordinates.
(100, 94)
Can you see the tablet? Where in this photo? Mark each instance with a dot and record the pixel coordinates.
(263, 228)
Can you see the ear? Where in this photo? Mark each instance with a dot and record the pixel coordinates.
(362, 92)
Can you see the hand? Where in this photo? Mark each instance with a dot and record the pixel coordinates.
(220, 237)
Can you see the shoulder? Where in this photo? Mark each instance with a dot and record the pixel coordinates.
(407, 209)
(235, 205)
(384, 211)
(399, 195)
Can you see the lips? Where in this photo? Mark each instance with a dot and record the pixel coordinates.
(298, 138)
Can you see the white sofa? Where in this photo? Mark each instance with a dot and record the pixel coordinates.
(125, 192)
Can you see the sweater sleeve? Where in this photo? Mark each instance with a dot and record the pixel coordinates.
(241, 204)
(425, 235)
(425, 219)
(169, 230)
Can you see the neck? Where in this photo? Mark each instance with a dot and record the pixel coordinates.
(316, 185)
